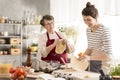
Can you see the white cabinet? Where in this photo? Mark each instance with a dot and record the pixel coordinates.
(11, 42)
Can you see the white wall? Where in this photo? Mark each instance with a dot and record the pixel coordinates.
(15, 8)
(60, 10)
(114, 25)
(69, 12)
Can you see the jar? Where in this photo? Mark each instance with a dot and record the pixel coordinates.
(5, 33)
(5, 65)
(2, 20)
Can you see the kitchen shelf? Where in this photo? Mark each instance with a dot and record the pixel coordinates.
(31, 35)
(10, 24)
(10, 45)
(9, 36)
(13, 38)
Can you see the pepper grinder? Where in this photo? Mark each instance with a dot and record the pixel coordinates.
(28, 62)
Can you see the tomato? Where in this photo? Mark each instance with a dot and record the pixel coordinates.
(19, 71)
(24, 73)
(12, 70)
(21, 77)
(14, 76)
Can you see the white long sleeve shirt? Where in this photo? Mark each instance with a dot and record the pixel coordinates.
(42, 42)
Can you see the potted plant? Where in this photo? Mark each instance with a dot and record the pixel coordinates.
(115, 72)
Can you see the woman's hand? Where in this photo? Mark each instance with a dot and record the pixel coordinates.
(55, 42)
(88, 51)
(64, 41)
(81, 57)
(84, 57)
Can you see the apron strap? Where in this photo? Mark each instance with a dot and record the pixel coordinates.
(48, 36)
(56, 33)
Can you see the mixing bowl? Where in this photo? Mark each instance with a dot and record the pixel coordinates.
(50, 66)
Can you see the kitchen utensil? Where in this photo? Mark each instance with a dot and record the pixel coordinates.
(49, 66)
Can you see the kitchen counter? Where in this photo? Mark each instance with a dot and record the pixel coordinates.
(67, 74)
(77, 75)
(62, 73)
(34, 76)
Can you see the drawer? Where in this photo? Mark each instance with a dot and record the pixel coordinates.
(14, 40)
(15, 51)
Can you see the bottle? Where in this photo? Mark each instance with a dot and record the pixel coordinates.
(24, 19)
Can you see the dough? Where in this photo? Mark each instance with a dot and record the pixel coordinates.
(60, 48)
(79, 65)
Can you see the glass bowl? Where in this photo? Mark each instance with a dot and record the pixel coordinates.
(50, 66)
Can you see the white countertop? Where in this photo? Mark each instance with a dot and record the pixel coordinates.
(71, 73)
(77, 75)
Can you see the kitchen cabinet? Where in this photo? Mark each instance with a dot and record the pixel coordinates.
(11, 42)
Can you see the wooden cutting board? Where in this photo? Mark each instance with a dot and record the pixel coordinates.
(34, 75)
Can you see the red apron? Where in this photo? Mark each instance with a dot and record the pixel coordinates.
(52, 55)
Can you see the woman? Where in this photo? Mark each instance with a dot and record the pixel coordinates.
(99, 44)
(49, 40)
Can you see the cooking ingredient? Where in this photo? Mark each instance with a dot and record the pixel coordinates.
(17, 73)
(60, 47)
(21, 77)
(79, 65)
(12, 70)
(80, 54)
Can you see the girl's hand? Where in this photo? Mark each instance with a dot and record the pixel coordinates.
(81, 57)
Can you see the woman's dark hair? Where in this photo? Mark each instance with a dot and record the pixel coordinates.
(46, 17)
(90, 10)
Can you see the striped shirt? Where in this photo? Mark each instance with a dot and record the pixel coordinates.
(100, 39)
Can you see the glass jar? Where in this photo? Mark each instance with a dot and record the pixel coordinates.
(5, 65)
